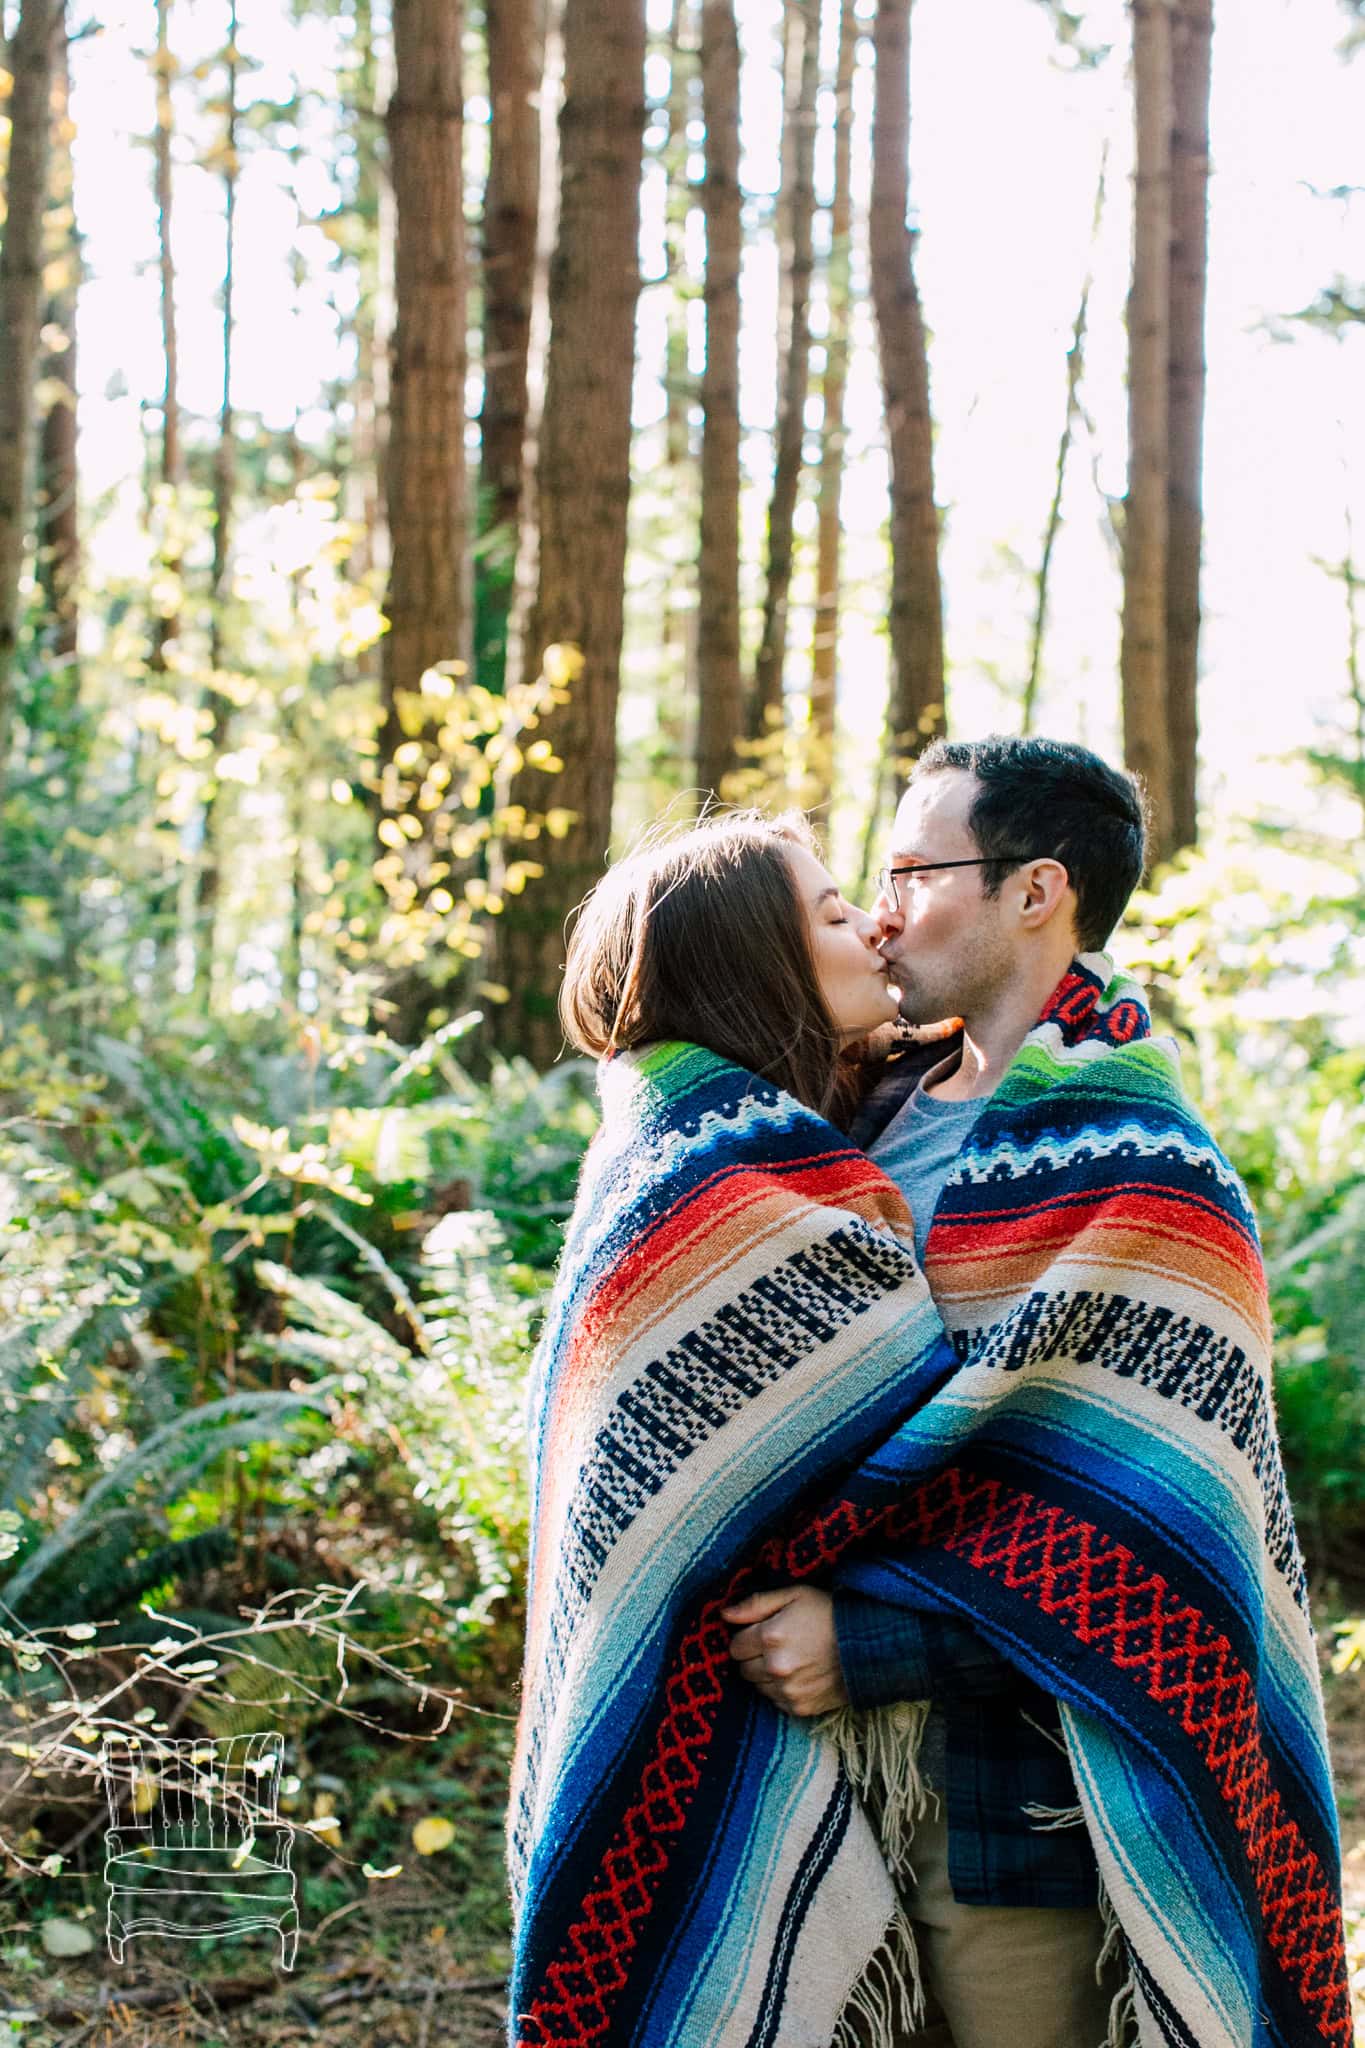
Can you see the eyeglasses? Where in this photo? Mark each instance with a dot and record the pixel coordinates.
(886, 877)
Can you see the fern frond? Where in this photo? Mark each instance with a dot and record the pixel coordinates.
(172, 1456)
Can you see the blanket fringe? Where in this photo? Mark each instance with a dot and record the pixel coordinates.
(887, 2002)
(1047, 1819)
(1123, 2019)
(1123, 2029)
(879, 1749)
(1113, 1933)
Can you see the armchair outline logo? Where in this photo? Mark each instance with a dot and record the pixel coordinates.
(196, 1846)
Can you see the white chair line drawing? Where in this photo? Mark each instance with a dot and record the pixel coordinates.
(196, 1846)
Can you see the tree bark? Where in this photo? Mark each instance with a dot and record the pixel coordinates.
(1143, 655)
(425, 470)
(1191, 44)
(167, 625)
(675, 740)
(682, 75)
(59, 532)
(582, 490)
(825, 651)
(224, 481)
(372, 212)
(796, 220)
(32, 55)
(915, 711)
(516, 48)
(224, 455)
(1075, 367)
(720, 706)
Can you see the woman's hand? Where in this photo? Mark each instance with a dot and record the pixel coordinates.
(788, 1649)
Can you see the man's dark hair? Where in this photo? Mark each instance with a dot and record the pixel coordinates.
(1049, 798)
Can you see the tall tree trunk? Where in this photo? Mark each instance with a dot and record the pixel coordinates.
(32, 55)
(516, 48)
(167, 625)
(682, 73)
(1075, 367)
(224, 455)
(372, 210)
(1191, 43)
(915, 710)
(675, 695)
(825, 651)
(1143, 655)
(796, 220)
(224, 480)
(425, 471)
(720, 711)
(582, 493)
(59, 534)
(525, 575)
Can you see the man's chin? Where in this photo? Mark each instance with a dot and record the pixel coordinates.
(928, 1020)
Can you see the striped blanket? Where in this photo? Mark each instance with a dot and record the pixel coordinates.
(744, 1382)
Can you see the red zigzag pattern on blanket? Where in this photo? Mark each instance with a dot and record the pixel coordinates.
(1072, 1572)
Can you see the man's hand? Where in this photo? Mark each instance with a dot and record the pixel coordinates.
(788, 1649)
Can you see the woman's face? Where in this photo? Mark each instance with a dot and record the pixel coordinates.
(854, 979)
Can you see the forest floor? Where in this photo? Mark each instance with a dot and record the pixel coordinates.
(411, 1965)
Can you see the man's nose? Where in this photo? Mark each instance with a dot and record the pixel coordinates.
(887, 914)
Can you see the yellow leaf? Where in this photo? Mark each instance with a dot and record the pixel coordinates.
(432, 1834)
(563, 664)
(146, 1792)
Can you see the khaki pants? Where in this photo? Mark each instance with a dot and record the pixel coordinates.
(1003, 1976)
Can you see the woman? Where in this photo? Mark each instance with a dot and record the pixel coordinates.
(719, 975)
(744, 1384)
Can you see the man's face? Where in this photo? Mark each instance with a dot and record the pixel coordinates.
(947, 940)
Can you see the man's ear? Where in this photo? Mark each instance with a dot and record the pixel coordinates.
(1047, 893)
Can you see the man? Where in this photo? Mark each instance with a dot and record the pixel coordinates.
(1008, 857)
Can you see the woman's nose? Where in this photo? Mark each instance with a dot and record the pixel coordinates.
(869, 930)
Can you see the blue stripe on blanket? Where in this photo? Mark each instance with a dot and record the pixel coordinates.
(1215, 1946)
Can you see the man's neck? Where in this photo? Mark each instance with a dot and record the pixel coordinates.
(990, 1041)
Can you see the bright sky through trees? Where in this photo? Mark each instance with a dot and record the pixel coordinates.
(1006, 144)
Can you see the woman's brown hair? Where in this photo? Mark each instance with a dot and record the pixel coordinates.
(702, 935)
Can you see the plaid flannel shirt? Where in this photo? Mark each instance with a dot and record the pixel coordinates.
(1003, 1745)
(1001, 1735)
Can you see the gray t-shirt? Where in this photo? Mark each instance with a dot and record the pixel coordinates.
(919, 1145)
(917, 1151)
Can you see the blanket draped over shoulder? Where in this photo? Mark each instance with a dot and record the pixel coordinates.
(744, 1382)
